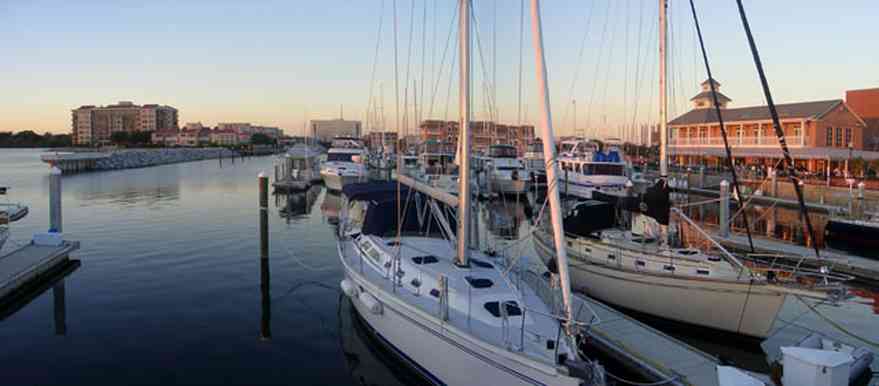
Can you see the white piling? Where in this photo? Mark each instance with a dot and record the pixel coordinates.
(723, 213)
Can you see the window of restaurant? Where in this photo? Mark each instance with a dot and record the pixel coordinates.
(848, 136)
(829, 136)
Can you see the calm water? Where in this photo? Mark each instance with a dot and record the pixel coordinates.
(169, 289)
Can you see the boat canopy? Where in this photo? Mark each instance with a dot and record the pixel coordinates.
(611, 156)
(382, 212)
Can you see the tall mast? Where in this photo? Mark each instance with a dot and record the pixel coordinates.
(663, 90)
(552, 166)
(463, 258)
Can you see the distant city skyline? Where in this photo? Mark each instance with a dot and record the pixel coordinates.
(282, 63)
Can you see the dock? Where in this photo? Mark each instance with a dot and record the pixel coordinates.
(645, 350)
(861, 268)
(26, 265)
(74, 162)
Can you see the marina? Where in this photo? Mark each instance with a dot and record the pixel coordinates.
(444, 215)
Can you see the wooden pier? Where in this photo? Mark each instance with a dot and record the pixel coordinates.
(27, 265)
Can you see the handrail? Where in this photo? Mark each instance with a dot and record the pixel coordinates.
(729, 256)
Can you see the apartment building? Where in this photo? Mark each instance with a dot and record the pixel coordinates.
(96, 124)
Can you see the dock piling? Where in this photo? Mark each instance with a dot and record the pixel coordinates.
(55, 224)
(723, 213)
(265, 330)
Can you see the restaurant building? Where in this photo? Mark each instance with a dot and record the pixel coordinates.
(821, 135)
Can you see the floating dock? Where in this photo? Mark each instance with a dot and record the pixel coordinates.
(646, 350)
(27, 265)
(860, 267)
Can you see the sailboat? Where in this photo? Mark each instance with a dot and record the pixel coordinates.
(639, 269)
(452, 312)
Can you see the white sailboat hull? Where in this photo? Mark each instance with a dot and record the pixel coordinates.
(436, 350)
(737, 307)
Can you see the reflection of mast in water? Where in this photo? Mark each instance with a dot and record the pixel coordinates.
(369, 361)
(265, 326)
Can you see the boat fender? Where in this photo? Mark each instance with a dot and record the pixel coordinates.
(371, 303)
(348, 288)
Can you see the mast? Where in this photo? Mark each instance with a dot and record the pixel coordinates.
(663, 90)
(552, 166)
(463, 257)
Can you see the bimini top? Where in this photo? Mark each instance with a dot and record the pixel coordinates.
(373, 191)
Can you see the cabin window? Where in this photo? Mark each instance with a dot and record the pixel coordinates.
(494, 309)
(429, 259)
(480, 263)
(714, 258)
(703, 272)
(416, 283)
(392, 243)
(611, 257)
(478, 282)
(434, 292)
(669, 268)
(640, 263)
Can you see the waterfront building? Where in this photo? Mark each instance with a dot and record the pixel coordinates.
(822, 135)
(224, 137)
(93, 125)
(374, 142)
(327, 129)
(194, 137)
(164, 137)
(484, 134)
(866, 104)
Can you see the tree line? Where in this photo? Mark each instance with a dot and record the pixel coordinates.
(29, 138)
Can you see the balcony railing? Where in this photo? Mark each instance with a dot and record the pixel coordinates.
(764, 141)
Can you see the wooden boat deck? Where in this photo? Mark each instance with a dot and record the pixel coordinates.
(23, 265)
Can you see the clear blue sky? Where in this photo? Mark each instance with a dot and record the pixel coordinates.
(280, 62)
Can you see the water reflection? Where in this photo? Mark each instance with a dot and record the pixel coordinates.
(123, 187)
(299, 204)
(56, 281)
(331, 206)
(503, 218)
(369, 361)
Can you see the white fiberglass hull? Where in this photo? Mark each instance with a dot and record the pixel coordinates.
(736, 307)
(336, 182)
(508, 186)
(434, 349)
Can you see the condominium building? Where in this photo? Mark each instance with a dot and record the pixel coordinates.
(484, 134)
(327, 129)
(95, 125)
(376, 139)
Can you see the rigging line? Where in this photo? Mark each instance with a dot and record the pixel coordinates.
(397, 111)
(597, 67)
(792, 172)
(378, 40)
(443, 61)
(608, 67)
(452, 70)
(418, 116)
(579, 62)
(626, 72)
(635, 87)
(494, 59)
(717, 110)
(408, 70)
(521, 47)
(486, 86)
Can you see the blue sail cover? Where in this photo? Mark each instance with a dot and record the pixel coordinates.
(382, 213)
(600, 156)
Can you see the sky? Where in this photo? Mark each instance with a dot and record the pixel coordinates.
(281, 63)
